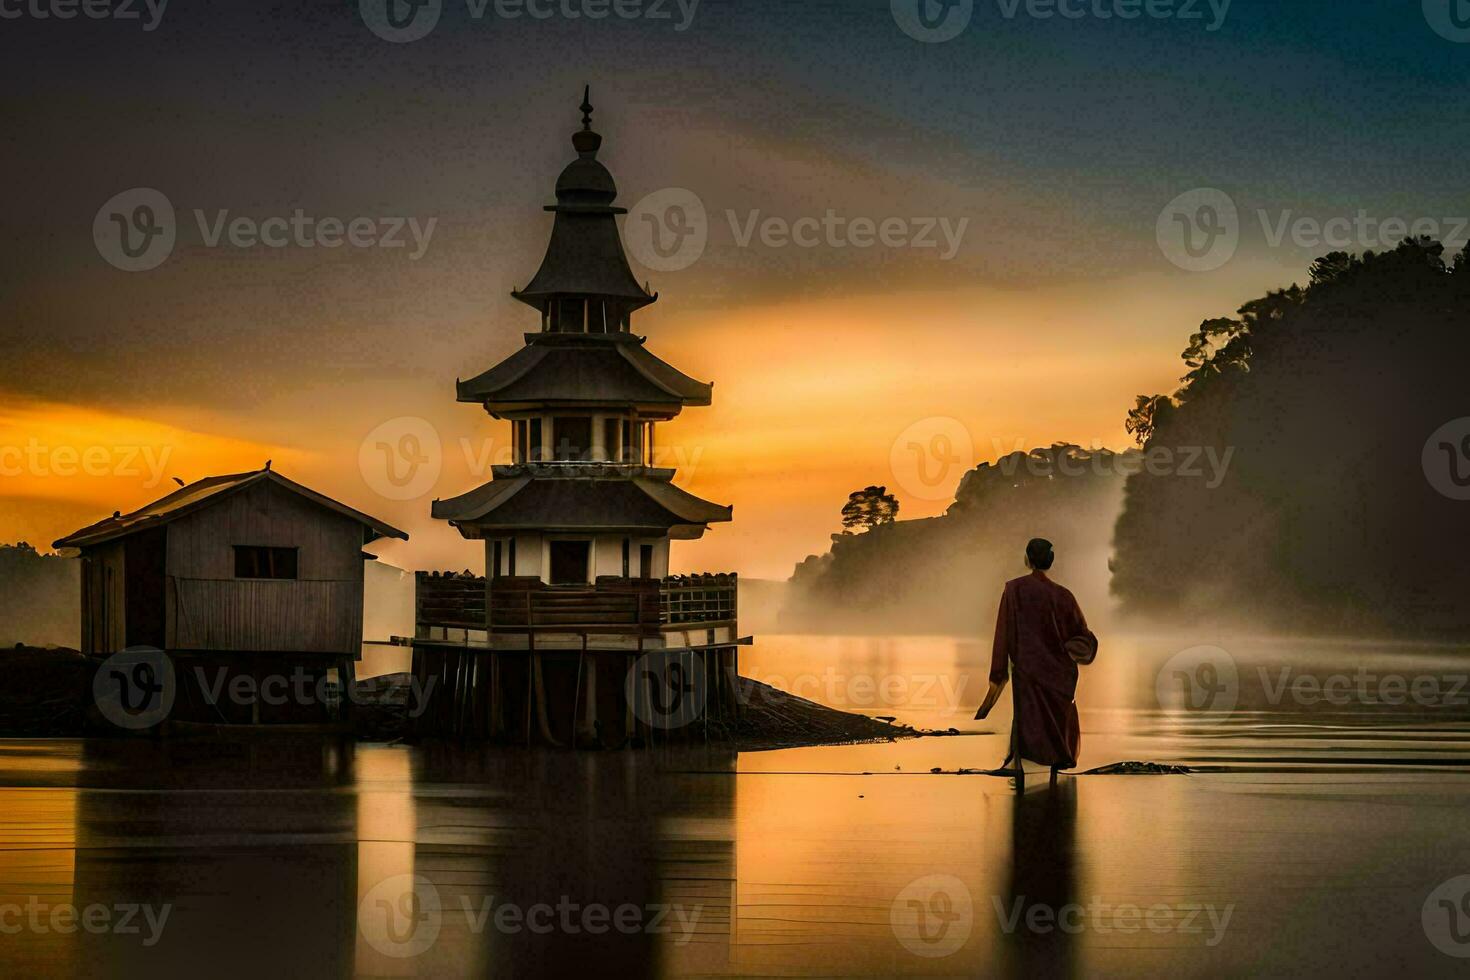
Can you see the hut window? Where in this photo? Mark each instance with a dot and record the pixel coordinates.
(627, 546)
(537, 452)
(522, 453)
(253, 561)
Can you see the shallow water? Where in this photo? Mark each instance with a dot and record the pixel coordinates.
(1314, 843)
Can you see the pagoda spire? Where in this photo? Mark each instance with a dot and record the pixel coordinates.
(585, 261)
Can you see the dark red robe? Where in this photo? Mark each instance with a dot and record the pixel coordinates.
(1037, 616)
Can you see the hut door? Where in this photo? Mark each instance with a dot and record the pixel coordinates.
(645, 561)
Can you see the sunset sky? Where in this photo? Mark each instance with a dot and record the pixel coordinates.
(1056, 142)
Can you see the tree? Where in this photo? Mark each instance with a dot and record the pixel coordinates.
(869, 507)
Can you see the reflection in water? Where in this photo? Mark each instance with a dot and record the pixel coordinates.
(1043, 877)
(283, 856)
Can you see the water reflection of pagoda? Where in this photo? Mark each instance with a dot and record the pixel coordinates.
(577, 597)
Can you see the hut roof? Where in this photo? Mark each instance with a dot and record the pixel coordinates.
(202, 493)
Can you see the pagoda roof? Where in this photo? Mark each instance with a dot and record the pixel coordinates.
(581, 503)
(585, 258)
(585, 255)
(555, 367)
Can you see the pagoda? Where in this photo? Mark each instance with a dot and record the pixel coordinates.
(577, 526)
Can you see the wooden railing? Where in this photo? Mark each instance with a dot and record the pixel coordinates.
(699, 600)
(636, 607)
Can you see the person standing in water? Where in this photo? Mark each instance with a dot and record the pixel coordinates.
(1041, 636)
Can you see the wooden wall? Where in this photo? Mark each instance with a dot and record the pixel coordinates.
(104, 601)
(318, 612)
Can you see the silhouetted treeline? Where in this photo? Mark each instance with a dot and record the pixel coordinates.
(1325, 397)
(944, 574)
(39, 598)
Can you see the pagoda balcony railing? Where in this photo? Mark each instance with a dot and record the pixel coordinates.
(613, 605)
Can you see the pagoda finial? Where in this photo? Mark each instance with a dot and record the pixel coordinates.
(586, 141)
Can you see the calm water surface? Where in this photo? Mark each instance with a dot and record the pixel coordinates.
(1313, 844)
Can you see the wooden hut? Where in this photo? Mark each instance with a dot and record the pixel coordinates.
(248, 574)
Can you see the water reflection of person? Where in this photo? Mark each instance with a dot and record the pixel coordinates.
(1040, 636)
(1042, 914)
